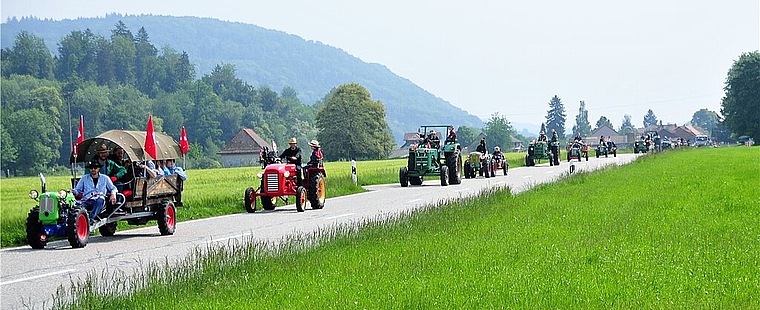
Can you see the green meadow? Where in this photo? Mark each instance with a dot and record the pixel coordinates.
(672, 230)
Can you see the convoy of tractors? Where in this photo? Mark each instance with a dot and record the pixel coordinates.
(143, 198)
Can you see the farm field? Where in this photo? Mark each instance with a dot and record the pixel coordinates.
(677, 229)
(208, 193)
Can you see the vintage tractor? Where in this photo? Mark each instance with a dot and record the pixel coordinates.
(278, 181)
(140, 200)
(479, 164)
(577, 151)
(641, 146)
(538, 150)
(429, 158)
(606, 149)
(500, 162)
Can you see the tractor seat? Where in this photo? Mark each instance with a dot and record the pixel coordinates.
(127, 193)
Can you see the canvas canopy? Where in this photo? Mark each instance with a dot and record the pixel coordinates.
(132, 142)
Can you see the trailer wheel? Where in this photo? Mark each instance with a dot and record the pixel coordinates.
(108, 230)
(167, 218)
(250, 200)
(34, 235)
(300, 198)
(78, 228)
(317, 191)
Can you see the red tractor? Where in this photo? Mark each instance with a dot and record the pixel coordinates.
(281, 181)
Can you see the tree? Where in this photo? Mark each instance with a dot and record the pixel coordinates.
(604, 121)
(706, 120)
(466, 135)
(627, 126)
(555, 117)
(29, 56)
(581, 121)
(41, 139)
(741, 103)
(499, 131)
(352, 125)
(650, 119)
(76, 56)
(10, 152)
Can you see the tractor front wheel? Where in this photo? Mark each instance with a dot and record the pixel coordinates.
(167, 218)
(317, 191)
(34, 235)
(402, 177)
(444, 176)
(268, 202)
(454, 163)
(250, 200)
(78, 228)
(300, 198)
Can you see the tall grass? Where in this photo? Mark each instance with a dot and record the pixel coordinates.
(677, 229)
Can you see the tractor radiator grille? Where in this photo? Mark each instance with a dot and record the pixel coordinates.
(47, 204)
(273, 182)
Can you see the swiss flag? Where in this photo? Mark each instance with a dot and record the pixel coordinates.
(80, 135)
(150, 140)
(184, 146)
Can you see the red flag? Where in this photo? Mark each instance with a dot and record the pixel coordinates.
(150, 141)
(184, 146)
(80, 135)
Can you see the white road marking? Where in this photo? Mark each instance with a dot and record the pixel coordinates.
(338, 216)
(500, 182)
(462, 190)
(413, 200)
(228, 238)
(38, 276)
(548, 172)
(527, 176)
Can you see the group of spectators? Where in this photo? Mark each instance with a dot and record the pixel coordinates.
(112, 172)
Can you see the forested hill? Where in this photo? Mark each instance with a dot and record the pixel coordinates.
(267, 57)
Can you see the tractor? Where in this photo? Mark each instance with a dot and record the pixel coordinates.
(140, 200)
(606, 149)
(499, 161)
(538, 150)
(577, 150)
(429, 158)
(279, 181)
(480, 164)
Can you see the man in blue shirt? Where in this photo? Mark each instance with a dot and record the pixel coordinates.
(94, 186)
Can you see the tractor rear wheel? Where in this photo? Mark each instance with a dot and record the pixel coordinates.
(317, 191)
(467, 169)
(78, 228)
(250, 200)
(34, 235)
(268, 202)
(505, 167)
(402, 177)
(300, 198)
(444, 176)
(108, 230)
(167, 218)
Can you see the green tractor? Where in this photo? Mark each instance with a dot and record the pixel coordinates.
(430, 157)
(538, 150)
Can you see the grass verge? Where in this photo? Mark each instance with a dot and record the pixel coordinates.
(677, 229)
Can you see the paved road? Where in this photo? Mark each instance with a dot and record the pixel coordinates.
(31, 277)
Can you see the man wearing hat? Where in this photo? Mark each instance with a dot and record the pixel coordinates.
(93, 187)
(292, 155)
(107, 166)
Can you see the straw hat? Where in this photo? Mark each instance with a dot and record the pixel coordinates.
(293, 140)
(314, 143)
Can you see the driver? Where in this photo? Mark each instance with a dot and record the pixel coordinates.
(452, 137)
(497, 152)
(542, 136)
(93, 187)
(555, 147)
(482, 146)
(292, 155)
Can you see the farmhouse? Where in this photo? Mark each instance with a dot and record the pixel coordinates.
(243, 149)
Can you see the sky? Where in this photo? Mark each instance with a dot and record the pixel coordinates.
(506, 57)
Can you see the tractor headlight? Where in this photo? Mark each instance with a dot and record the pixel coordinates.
(286, 174)
(62, 194)
(260, 175)
(34, 194)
